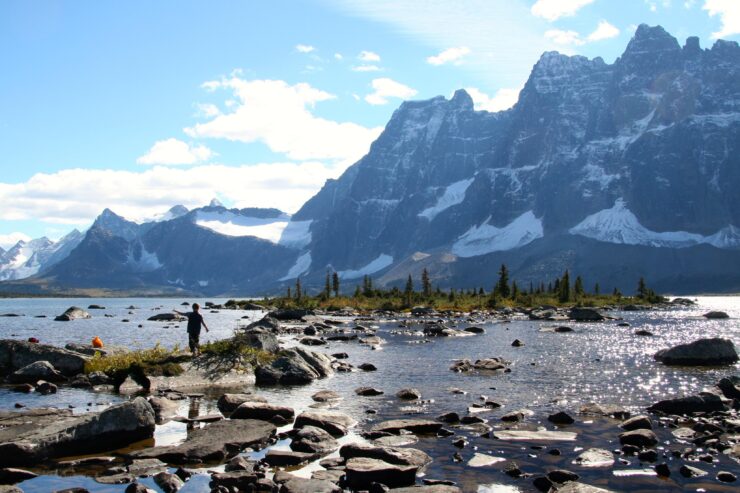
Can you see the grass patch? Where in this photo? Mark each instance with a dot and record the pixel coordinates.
(156, 361)
(237, 351)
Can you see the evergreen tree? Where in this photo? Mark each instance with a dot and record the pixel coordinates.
(564, 294)
(492, 298)
(555, 287)
(578, 287)
(408, 291)
(298, 292)
(426, 284)
(358, 293)
(327, 285)
(502, 286)
(514, 290)
(451, 296)
(335, 283)
(642, 289)
(289, 295)
(597, 289)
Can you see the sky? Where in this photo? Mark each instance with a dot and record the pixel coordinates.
(140, 105)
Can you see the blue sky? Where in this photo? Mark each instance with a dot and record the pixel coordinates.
(141, 105)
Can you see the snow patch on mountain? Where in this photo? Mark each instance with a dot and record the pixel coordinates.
(380, 263)
(486, 238)
(230, 224)
(142, 260)
(454, 194)
(24, 259)
(301, 266)
(297, 234)
(620, 225)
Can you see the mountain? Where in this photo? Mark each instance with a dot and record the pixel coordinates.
(614, 171)
(25, 259)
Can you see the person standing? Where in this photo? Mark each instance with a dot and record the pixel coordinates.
(195, 320)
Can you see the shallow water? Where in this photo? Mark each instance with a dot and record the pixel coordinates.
(597, 362)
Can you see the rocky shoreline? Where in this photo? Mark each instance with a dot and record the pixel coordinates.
(676, 437)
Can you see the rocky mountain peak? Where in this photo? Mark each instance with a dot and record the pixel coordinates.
(215, 203)
(462, 100)
(178, 210)
(651, 50)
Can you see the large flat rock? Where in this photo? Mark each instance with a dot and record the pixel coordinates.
(48, 436)
(215, 442)
(416, 426)
(703, 352)
(539, 435)
(15, 355)
(196, 375)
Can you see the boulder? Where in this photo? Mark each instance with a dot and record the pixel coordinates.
(215, 442)
(716, 315)
(167, 317)
(409, 394)
(45, 388)
(580, 314)
(730, 387)
(281, 458)
(261, 338)
(705, 402)
(268, 323)
(39, 370)
(637, 423)
(368, 391)
(333, 422)
(416, 426)
(295, 366)
(703, 352)
(638, 438)
(14, 355)
(361, 472)
(325, 396)
(227, 403)
(595, 457)
(302, 485)
(561, 418)
(367, 367)
(475, 330)
(262, 411)
(516, 416)
(164, 408)
(168, 482)
(290, 314)
(611, 410)
(234, 481)
(72, 313)
(312, 341)
(391, 455)
(9, 475)
(112, 428)
(313, 440)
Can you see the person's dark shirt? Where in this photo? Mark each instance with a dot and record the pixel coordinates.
(195, 320)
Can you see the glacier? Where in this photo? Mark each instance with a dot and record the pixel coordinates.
(380, 263)
(278, 230)
(302, 264)
(486, 238)
(620, 225)
(454, 194)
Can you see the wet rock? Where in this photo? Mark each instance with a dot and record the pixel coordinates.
(415, 426)
(391, 455)
(241, 463)
(575, 487)
(137, 488)
(72, 313)
(643, 332)
(228, 403)
(561, 418)
(449, 418)
(518, 415)
(163, 408)
(691, 472)
(663, 470)
(513, 470)
(730, 387)
(302, 485)
(9, 475)
(169, 483)
(580, 314)
(333, 422)
(325, 396)
(215, 442)
(517, 343)
(436, 488)
(313, 440)
(290, 314)
(475, 330)
(563, 328)
(277, 458)
(637, 423)
(595, 457)
(361, 472)
(368, 391)
(45, 388)
(340, 355)
(114, 427)
(543, 484)
(638, 438)
(726, 477)
(312, 341)
(562, 476)
(367, 367)
(649, 455)
(233, 481)
(531, 435)
(15, 355)
(409, 394)
(295, 366)
(268, 323)
(39, 370)
(166, 317)
(703, 352)
(262, 411)
(702, 403)
(333, 476)
(716, 315)
(610, 410)
(310, 331)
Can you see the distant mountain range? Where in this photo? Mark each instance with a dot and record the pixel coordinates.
(614, 171)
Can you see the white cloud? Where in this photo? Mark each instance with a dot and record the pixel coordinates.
(603, 31)
(449, 55)
(9, 240)
(564, 38)
(207, 110)
(555, 9)
(173, 151)
(385, 88)
(368, 56)
(77, 196)
(338, 56)
(304, 48)
(504, 99)
(281, 116)
(365, 68)
(729, 12)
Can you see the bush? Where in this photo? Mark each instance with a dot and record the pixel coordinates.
(146, 359)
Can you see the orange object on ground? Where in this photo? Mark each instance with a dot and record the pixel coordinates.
(97, 342)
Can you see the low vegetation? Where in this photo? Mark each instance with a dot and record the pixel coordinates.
(156, 361)
(237, 351)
